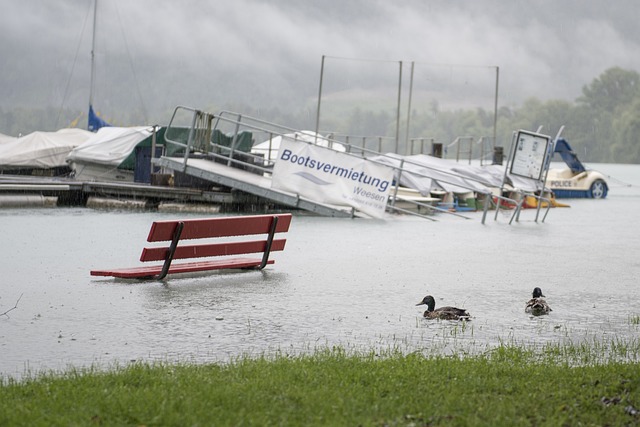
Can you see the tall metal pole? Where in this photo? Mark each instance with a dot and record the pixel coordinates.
(319, 97)
(93, 54)
(398, 112)
(495, 108)
(406, 138)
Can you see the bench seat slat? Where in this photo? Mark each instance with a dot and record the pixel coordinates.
(212, 249)
(190, 267)
(218, 227)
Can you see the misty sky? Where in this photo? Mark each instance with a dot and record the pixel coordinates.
(162, 53)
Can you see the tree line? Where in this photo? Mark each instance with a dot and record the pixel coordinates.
(601, 125)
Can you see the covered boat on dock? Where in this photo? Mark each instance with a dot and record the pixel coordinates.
(40, 153)
(6, 138)
(268, 148)
(111, 154)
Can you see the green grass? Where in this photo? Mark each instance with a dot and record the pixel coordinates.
(507, 386)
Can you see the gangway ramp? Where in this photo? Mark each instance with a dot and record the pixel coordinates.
(249, 182)
(221, 148)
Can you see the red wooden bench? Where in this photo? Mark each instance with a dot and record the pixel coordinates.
(207, 228)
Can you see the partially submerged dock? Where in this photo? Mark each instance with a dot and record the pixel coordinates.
(211, 163)
(247, 182)
(26, 191)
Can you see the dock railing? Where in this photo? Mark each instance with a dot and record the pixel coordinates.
(201, 143)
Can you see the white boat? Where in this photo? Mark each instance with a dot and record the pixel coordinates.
(408, 199)
(6, 138)
(110, 154)
(268, 149)
(41, 153)
(575, 181)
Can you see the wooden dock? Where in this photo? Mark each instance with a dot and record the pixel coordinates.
(24, 190)
(203, 185)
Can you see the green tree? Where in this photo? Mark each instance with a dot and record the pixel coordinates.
(614, 89)
(548, 116)
(626, 128)
(590, 133)
(602, 103)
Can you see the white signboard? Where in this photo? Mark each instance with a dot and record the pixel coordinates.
(529, 155)
(331, 177)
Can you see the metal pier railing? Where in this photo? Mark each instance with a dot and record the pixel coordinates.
(217, 148)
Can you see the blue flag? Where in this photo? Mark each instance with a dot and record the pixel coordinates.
(95, 122)
(570, 158)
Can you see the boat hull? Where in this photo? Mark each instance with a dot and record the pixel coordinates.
(588, 184)
(85, 171)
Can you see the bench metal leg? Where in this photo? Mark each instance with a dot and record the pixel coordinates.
(267, 249)
(172, 250)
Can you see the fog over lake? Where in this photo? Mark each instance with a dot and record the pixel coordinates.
(152, 55)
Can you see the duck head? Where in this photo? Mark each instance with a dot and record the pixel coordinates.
(429, 302)
(537, 293)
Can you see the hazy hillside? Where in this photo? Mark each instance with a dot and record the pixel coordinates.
(154, 54)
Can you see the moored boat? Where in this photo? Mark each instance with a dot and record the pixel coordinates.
(575, 181)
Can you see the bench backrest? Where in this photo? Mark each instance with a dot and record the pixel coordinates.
(212, 228)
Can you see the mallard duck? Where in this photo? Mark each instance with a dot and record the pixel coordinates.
(536, 305)
(444, 313)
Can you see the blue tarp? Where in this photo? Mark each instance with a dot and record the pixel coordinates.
(569, 157)
(95, 122)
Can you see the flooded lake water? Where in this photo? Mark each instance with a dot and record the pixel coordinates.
(353, 283)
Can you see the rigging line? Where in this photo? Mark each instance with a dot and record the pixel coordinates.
(619, 181)
(133, 70)
(73, 67)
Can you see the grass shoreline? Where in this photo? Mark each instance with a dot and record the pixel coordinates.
(508, 385)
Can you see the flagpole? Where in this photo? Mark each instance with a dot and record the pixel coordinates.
(93, 48)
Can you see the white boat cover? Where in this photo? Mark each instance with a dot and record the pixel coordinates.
(427, 173)
(6, 138)
(110, 145)
(269, 148)
(42, 150)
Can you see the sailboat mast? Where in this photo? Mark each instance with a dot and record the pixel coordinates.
(93, 54)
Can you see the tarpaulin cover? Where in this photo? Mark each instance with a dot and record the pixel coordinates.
(41, 149)
(110, 145)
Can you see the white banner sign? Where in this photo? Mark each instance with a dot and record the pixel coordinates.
(331, 177)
